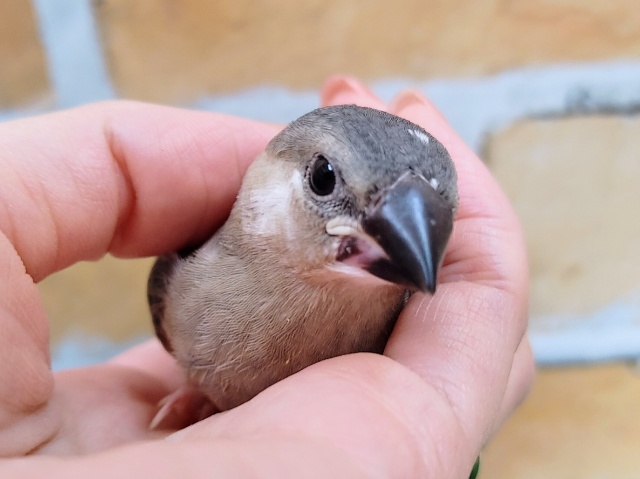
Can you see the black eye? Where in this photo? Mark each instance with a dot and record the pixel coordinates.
(322, 178)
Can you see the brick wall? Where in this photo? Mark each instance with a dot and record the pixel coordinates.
(227, 45)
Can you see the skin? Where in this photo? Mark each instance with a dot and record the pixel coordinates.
(455, 366)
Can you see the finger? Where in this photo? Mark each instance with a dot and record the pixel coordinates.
(462, 340)
(519, 384)
(344, 90)
(26, 382)
(124, 177)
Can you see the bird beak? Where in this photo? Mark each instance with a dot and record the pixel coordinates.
(412, 223)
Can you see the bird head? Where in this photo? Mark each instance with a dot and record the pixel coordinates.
(354, 191)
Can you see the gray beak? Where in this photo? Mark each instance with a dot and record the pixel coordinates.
(412, 223)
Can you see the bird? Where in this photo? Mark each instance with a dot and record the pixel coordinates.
(346, 213)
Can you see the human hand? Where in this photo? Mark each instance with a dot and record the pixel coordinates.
(137, 180)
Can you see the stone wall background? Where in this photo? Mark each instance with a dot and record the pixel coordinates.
(547, 91)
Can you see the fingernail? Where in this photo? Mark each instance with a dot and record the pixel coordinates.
(404, 99)
(409, 98)
(339, 86)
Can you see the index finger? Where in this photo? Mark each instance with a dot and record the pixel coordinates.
(121, 177)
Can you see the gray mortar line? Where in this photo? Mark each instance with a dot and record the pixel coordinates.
(75, 59)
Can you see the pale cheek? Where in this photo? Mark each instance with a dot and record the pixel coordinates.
(270, 207)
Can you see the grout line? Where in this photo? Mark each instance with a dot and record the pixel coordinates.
(75, 59)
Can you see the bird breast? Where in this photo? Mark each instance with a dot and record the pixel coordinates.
(257, 323)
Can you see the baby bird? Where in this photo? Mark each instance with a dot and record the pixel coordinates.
(346, 212)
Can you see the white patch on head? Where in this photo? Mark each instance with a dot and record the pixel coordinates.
(271, 207)
(420, 136)
(434, 183)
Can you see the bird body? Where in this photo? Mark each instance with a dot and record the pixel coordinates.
(316, 258)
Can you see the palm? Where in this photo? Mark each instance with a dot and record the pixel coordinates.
(112, 404)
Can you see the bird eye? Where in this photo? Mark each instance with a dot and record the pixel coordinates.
(322, 177)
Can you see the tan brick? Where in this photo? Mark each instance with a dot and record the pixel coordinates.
(574, 183)
(577, 423)
(106, 299)
(23, 75)
(177, 49)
